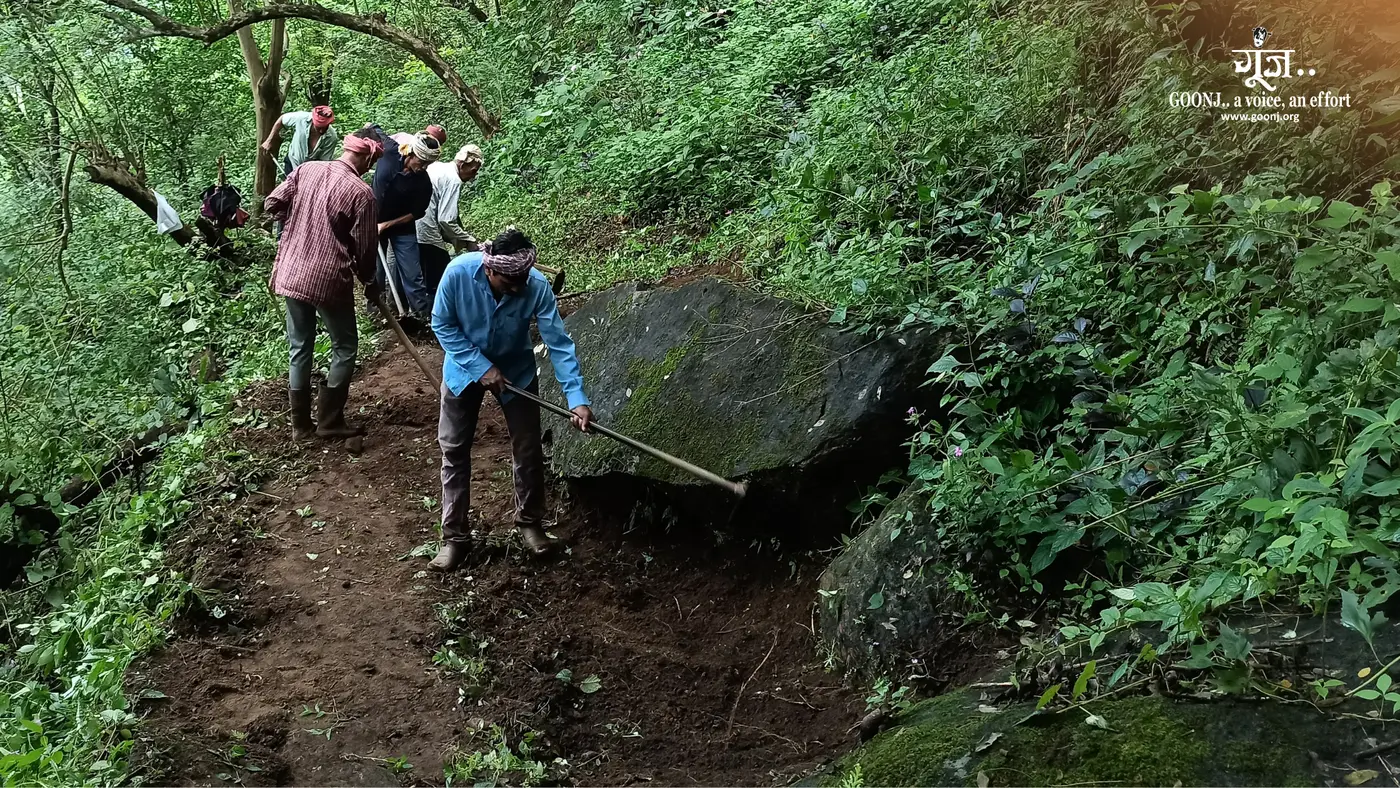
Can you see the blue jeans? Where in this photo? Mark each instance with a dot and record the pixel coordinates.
(408, 272)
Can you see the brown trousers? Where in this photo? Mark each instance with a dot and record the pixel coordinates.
(456, 430)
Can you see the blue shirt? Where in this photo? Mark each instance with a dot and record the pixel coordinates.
(476, 331)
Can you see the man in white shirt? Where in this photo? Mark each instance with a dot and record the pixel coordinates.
(440, 233)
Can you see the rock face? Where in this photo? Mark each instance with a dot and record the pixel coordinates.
(882, 602)
(740, 383)
(1149, 741)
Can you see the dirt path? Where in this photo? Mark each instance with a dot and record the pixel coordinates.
(333, 657)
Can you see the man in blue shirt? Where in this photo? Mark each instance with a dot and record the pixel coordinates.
(482, 319)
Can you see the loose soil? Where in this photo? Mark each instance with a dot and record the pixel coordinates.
(314, 652)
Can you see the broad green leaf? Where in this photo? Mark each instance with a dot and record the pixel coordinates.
(1362, 304)
(946, 364)
(1355, 477)
(877, 601)
(1119, 673)
(1047, 696)
(1081, 684)
(1391, 260)
(1355, 617)
(590, 685)
(993, 466)
(1365, 414)
(1232, 644)
(1257, 505)
(1384, 488)
(1312, 257)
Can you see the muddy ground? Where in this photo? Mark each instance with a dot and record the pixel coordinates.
(325, 653)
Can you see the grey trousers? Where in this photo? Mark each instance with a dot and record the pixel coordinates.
(301, 337)
(456, 430)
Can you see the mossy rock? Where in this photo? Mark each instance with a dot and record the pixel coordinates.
(1150, 740)
(737, 382)
(883, 601)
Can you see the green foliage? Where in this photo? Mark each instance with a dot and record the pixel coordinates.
(1176, 391)
(500, 763)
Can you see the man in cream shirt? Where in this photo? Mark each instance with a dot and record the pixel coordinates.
(440, 233)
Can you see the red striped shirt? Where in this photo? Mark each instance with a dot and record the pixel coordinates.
(329, 236)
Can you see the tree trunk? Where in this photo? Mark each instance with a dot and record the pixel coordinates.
(373, 25)
(269, 95)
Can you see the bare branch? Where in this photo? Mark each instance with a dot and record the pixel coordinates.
(277, 50)
(374, 25)
(65, 221)
(248, 45)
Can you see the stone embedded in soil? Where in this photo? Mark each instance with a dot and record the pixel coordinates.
(734, 381)
(1150, 740)
(881, 602)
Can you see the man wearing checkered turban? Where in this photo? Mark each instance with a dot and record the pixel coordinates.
(482, 320)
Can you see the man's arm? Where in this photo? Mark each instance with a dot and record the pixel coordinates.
(274, 137)
(562, 352)
(449, 227)
(365, 235)
(405, 219)
(450, 327)
(279, 204)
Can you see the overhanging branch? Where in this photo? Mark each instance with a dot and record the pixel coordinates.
(376, 26)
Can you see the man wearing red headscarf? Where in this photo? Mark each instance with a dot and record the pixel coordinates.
(330, 239)
(313, 137)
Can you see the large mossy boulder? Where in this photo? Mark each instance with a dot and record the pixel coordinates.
(882, 601)
(740, 383)
(1150, 740)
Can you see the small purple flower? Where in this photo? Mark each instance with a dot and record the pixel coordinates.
(957, 451)
(911, 411)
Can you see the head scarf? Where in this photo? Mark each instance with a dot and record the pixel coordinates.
(322, 117)
(437, 132)
(514, 265)
(423, 147)
(353, 144)
(470, 153)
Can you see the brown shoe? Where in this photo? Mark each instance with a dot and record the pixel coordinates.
(330, 414)
(449, 557)
(300, 401)
(536, 540)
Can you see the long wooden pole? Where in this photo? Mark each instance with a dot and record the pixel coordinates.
(738, 488)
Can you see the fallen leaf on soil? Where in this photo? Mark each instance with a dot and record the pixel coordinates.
(989, 741)
(1362, 776)
(1096, 721)
(1363, 673)
(983, 780)
(312, 556)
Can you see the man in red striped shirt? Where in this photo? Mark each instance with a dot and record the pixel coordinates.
(329, 239)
